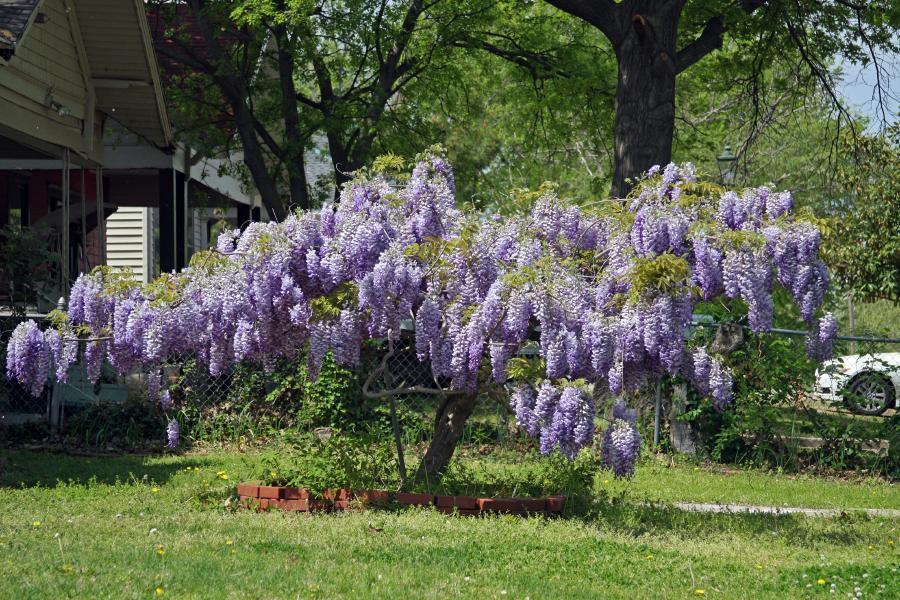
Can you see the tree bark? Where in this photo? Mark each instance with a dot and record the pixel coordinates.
(448, 428)
(234, 90)
(645, 92)
(294, 144)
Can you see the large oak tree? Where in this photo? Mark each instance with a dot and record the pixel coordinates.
(656, 41)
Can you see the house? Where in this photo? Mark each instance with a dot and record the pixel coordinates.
(87, 155)
(84, 131)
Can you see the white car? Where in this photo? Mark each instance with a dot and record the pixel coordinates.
(868, 383)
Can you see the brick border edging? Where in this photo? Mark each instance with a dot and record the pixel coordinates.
(303, 500)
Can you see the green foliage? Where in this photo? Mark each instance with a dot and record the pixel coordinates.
(25, 267)
(665, 273)
(521, 368)
(260, 404)
(535, 476)
(389, 163)
(329, 307)
(133, 424)
(863, 248)
(337, 461)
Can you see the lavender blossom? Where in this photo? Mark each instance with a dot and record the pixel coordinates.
(173, 434)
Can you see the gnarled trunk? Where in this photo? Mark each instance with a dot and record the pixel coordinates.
(645, 94)
(448, 428)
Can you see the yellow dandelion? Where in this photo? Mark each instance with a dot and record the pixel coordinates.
(159, 590)
(871, 548)
(229, 542)
(890, 542)
(820, 581)
(605, 481)
(67, 568)
(697, 469)
(649, 557)
(35, 523)
(154, 489)
(223, 476)
(759, 566)
(160, 550)
(699, 592)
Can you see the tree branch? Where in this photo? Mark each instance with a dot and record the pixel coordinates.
(537, 64)
(710, 39)
(602, 14)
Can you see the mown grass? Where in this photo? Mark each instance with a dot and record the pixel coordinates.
(132, 527)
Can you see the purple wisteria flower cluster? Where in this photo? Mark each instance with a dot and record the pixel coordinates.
(621, 441)
(607, 294)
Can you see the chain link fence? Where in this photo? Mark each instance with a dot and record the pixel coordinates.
(17, 405)
(194, 389)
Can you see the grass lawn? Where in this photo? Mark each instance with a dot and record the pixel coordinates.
(130, 526)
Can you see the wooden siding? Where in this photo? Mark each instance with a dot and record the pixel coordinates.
(47, 63)
(50, 55)
(125, 245)
(119, 47)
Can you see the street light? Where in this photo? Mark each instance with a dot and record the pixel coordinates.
(727, 162)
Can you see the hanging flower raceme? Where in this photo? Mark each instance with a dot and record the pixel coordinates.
(603, 296)
(621, 441)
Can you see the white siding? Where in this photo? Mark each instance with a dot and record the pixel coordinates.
(125, 239)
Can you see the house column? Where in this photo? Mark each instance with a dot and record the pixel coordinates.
(243, 215)
(101, 218)
(172, 221)
(65, 223)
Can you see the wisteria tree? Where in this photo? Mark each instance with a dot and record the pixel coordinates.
(606, 292)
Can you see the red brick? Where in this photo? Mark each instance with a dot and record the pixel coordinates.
(339, 494)
(269, 491)
(464, 502)
(373, 496)
(319, 504)
(248, 489)
(292, 493)
(515, 505)
(414, 499)
(301, 505)
(555, 504)
(341, 505)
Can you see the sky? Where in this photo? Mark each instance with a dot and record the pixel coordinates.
(858, 87)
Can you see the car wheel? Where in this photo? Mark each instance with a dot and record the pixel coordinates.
(870, 394)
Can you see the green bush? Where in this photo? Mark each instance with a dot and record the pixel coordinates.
(128, 425)
(335, 461)
(260, 404)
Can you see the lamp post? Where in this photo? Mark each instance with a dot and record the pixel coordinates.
(727, 162)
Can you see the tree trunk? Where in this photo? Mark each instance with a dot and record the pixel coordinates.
(293, 144)
(234, 89)
(256, 163)
(645, 92)
(681, 435)
(448, 428)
